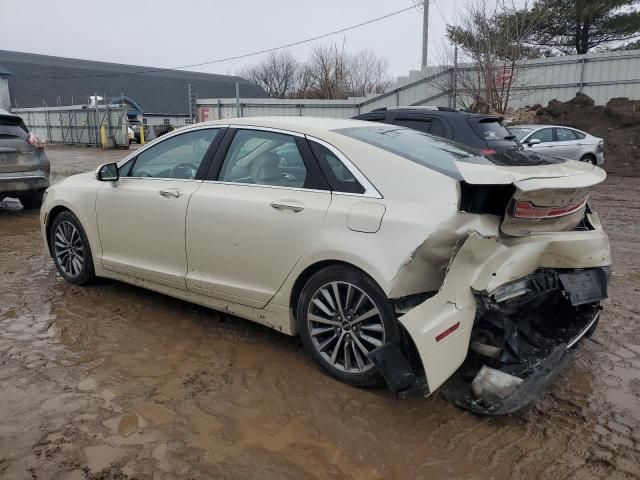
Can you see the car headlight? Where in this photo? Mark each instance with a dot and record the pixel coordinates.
(512, 290)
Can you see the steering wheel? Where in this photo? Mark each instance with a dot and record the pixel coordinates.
(184, 170)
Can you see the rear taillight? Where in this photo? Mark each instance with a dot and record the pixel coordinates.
(600, 148)
(488, 151)
(35, 141)
(525, 209)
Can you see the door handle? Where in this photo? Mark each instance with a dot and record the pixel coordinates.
(287, 205)
(171, 192)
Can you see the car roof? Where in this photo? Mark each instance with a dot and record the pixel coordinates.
(305, 125)
(433, 109)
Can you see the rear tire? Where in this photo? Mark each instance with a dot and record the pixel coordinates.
(31, 201)
(70, 249)
(588, 158)
(342, 315)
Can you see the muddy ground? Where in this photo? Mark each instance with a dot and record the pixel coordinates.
(115, 382)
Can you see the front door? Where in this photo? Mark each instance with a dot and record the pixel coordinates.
(141, 217)
(247, 229)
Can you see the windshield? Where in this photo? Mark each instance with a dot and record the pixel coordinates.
(424, 149)
(490, 129)
(520, 132)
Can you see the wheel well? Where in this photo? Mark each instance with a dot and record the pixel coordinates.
(310, 271)
(590, 155)
(55, 211)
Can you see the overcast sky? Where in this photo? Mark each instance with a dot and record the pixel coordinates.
(164, 33)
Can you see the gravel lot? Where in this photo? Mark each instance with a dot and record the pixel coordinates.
(115, 382)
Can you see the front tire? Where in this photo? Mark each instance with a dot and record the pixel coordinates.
(70, 249)
(342, 315)
(588, 158)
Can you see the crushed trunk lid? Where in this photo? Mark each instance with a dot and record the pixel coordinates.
(543, 198)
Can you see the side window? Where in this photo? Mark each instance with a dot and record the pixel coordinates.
(437, 128)
(264, 158)
(339, 176)
(176, 157)
(545, 135)
(427, 125)
(372, 117)
(565, 135)
(420, 125)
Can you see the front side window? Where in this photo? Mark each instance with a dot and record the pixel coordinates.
(176, 157)
(264, 158)
(545, 135)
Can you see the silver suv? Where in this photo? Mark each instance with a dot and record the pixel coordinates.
(24, 167)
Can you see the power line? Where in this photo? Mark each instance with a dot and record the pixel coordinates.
(236, 57)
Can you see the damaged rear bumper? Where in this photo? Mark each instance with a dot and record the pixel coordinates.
(492, 311)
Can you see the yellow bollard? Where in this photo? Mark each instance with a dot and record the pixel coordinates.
(103, 135)
(141, 134)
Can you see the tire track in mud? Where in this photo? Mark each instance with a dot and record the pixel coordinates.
(115, 382)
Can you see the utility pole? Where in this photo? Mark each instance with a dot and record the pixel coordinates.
(425, 32)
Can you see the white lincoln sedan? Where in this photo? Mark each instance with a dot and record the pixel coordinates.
(394, 255)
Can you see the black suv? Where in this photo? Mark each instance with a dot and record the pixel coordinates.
(486, 133)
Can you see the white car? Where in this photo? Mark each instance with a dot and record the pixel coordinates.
(392, 253)
(559, 141)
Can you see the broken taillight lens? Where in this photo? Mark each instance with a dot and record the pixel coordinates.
(526, 209)
(35, 141)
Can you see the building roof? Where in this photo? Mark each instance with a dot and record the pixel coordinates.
(34, 78)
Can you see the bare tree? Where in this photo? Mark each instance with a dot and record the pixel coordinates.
(329, 73)
(366, 73)
(492, 38)
(278, 74)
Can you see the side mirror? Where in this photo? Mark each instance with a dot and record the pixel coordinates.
(108, 172)
(533, 141)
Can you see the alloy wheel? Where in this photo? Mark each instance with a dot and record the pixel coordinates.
(68, 248)
(345, 325)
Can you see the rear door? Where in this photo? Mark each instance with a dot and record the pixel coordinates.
(141, 217)
(16, 153)
(259, 210)
(566, 144)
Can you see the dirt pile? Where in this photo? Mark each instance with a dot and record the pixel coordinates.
(618, 123)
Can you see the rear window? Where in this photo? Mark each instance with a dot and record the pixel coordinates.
(438, 154)
(11, 127)
(490, 129)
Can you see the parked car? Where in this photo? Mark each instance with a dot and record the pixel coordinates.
(559, 141)
(24, 166)
(394, 254)
(486, 133)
